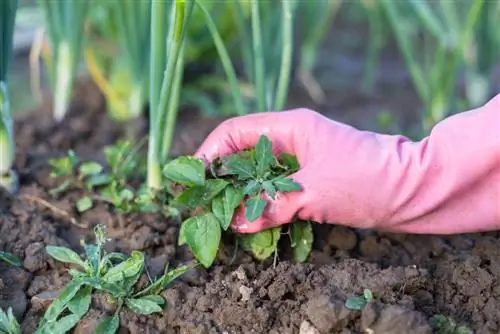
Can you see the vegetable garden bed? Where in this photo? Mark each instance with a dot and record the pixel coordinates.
(412, 278)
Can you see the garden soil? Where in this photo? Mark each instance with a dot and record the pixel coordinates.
(411, 277)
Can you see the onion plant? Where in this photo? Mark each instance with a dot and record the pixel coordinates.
(64, 20)
(122, 73)
(434, 77)
(8, 177)
(266, 55)
(317, 18)
(165, 78)
(483, 55)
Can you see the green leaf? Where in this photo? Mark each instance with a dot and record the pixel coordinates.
(302, 240)
(63, 187)
(66, 255)
(201, 195)
(224, 204)
(163, 281)
(83, 204)
(126, 269)
(186, 170)
(63, 325)
(355, 303)
(10, 259)
(93, 254)
(367, 293)
(263, 155)
(80, 303)
(238, 165)
(8, 323)
(90, 168)
(269, 189)
(109, 325)
(98, 180)
(262, 244)
(143, 306)
(58, 305)
(252, 188)
(290, 162)
(155, 299)
(254, 208)
(203, 233)
(285, 184)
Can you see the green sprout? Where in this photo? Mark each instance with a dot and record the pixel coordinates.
(64, 20)
(8, 322)
(445, 325)
(112, 273)
(359, 302)
(244, 176)
(10, 259)
(8, 176)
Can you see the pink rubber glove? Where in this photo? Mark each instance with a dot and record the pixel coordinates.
(448, 183)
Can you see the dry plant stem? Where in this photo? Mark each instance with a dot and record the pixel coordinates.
(54, 209)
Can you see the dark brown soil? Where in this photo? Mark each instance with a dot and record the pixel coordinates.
(411, 277)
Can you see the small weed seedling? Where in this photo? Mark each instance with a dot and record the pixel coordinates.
(112, 273)
(8, 323)
(444, 325)
(10, 258)
(359, 302)
(111, 182)
(214, 195)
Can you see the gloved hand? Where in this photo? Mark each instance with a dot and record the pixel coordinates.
(445, 184)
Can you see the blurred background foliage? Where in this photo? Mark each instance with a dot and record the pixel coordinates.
(450, 50)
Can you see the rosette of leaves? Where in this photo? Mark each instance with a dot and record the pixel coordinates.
(215, 194)
(112, 273)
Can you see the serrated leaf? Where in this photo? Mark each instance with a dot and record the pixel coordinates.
(290, 162)
(201, 195)
(202, 233)
(286, 184)
(80, 303)
(90, 168)
(10, 259)
(126, 269)
(263, 155)
(302, 240)
(355, 303)
(66, 255)
(98, 180)
(83, 204)
(109, 325)
(186, 170)
(269, 188)
(237, 165)
(143, 306)
(224, 205)
(254, 208)
(252, 188)
(262, 244)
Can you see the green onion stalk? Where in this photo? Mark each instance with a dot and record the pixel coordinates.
(318, 16)
(127, 24)
(483, 55)
(269, 69)
(165, 76)
(8, 176)
(435, 84)
(64, 21)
